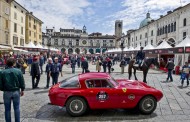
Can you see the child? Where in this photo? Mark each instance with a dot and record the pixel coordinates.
(185, 74)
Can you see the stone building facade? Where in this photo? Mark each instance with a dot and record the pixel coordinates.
(76, 41)
(5, 22)
(17, 30)
(172, 27)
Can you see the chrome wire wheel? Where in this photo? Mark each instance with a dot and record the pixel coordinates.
(76, 106)
(147, 105)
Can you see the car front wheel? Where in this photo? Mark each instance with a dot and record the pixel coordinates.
(76, 106)
(147, 105)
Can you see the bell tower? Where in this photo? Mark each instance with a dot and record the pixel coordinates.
(118, 31)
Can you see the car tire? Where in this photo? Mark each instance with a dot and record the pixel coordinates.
(76, 106)
(147, 105)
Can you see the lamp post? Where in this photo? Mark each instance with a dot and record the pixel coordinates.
(49, 44)
(122, 45)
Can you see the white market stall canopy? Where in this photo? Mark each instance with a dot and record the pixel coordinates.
(39, 46)
(4, 47)
(19, 50)
(125, 49)
(138, 47)
(131, 48)
(184, 43)
(118, 50)
(30, 45)
(163, 45)
(149, 47)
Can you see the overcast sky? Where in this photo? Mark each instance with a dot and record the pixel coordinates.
(97, 15)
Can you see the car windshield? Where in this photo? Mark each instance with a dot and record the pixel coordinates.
(71, 82)
(113, 81)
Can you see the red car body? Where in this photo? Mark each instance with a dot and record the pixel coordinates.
(120, 93)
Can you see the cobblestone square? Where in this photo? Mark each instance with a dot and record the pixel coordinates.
(174, 106)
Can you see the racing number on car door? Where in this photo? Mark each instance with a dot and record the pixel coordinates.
(101, 94)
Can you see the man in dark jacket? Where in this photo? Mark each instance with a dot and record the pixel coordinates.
(170, 66)
(140, 57)
(35, 73)
(73, 64)
(48, 70)
(84, 66)
(41, 62)
(55, 69)
(104, 64)
(109, 64)
(13, 85)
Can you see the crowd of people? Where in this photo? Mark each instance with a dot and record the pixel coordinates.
(13, 84)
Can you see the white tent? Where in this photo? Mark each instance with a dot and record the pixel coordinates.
(118, 50)
(163, 45)
(138, 47)
(39, 46)
(19, 50)
(149, 47)
(184, 43)
(125, 49)
(30, 45)
(180, 59)
(4, 47)
(131, 48)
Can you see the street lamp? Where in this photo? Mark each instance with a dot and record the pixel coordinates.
(122, 45)
(49, 44)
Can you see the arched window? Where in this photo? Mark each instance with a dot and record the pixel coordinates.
(184, 22)
(140, 43)
(163, 30)
(172, 27)
(166, 29)
(169, 28)
(151, 42)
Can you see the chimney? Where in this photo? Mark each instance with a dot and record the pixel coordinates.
(169, 12)
(161, 16)
(31, 13)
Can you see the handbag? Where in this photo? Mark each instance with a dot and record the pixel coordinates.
(25, 65)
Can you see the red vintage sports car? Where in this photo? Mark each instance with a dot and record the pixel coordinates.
(101, 91)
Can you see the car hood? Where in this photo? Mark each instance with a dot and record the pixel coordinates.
(131, 83)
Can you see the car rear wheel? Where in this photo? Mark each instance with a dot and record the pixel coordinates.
(76, 106)
(147, 105)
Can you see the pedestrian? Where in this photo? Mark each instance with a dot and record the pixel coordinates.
(55, 70)
(35, 72)
(170, 66)
(78, 62)
(12, 84)
(84, 66)
(185, 72)
(98, 65)
(73, 64)
(41, 63)
(48, 69)
(122, 65)
(104, 64)
(109, 64)
(29, 62)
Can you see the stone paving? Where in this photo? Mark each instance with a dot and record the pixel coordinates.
(175, 105)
